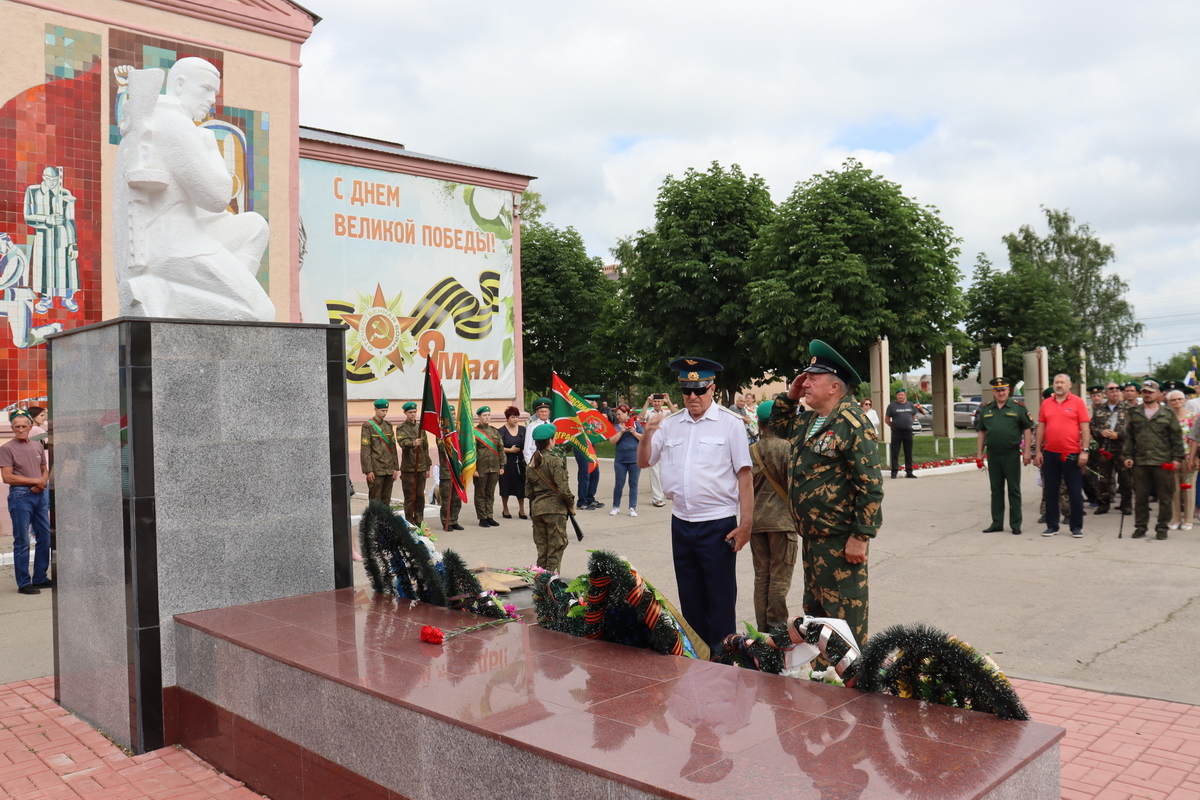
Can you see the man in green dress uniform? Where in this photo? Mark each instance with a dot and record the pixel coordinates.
(1003, 425)
(414, 464)
(834, 485)
(377, 455)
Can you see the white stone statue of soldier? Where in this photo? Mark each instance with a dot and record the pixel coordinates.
(178, 251)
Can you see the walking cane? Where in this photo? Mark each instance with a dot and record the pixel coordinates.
(1121, 527)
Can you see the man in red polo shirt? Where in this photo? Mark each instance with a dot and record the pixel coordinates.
(1062, 449)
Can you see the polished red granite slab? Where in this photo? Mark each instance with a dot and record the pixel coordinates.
(667, 725)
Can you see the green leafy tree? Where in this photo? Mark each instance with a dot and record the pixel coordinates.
(847, 259)
(566, 303)
(532, 207)
(1019, 309)
(684, 290)
(1176, 367)
(1076, 259)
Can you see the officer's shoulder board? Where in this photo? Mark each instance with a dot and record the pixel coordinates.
(735, 415)
(677, 411)
(849, 415)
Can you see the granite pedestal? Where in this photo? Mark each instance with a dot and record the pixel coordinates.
(334, 695)
(197, 465)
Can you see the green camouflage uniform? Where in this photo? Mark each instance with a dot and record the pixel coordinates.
(451, 502)
(414, 466)
(1152, 443)
(548, 508)
(487, 471)
(1003, 430)
(774, 542)
(377, 454)
(1108, 468)
(836, 492)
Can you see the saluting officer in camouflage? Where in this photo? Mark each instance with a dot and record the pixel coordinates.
(547, 488)
(1109, 421)
(451, 502)
(414, 464)
(1003, 425)
(1152, 440)
(774, 542)
(377, 455)
(834, 484)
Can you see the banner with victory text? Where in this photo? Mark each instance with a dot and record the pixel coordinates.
(417, 267)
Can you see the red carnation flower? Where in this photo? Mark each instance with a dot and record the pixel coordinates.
(1169, 466)
(979, 463)
(1185, 486)
(1106, 454)
(431, 634)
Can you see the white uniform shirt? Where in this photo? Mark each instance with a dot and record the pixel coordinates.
(530, 444)
(699, 462)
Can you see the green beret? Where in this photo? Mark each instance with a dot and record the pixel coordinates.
(484, 410)
(381, 403)
(1047, 392)
(541, 402)
(410, 406)
(1131, 385)
(543, 432)
(764, 410)
(20, 412)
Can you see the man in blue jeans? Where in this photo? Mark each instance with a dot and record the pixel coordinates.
(23, 466)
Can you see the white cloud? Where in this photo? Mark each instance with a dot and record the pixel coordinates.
(1069, 105)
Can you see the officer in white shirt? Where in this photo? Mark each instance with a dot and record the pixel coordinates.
(541, 416)
(705, 469)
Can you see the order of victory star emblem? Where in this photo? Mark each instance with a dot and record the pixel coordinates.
(379, 337)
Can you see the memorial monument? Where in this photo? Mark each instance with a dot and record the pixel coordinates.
(178, 251)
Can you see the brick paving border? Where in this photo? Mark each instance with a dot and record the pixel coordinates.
(1115, 748)
(47, 752)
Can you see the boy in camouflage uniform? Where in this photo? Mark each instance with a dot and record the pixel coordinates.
(548, 490)
(377, 454)
(1151, 442)
(774, 542)
(414, 464)
(834, 484)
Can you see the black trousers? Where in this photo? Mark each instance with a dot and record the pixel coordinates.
(899, 437)
(1055, 471)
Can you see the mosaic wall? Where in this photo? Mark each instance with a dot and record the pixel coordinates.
(50, 210)
(243, 135)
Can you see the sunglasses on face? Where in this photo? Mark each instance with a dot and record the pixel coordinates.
(688, 392)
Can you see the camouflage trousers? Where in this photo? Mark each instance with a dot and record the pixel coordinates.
(485, 493)
(414, 499)
(1103, 472)
(381, 488)
(550, 538)
(451, 502)
(774, 554)
(833, 587)
(1064, 502)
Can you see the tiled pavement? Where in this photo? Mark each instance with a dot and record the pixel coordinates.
(1115, 748)
(46, 752)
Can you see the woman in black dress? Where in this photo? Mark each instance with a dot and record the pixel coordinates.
(512, 482)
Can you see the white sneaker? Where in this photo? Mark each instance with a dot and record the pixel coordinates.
(633, 512)
(614, 512)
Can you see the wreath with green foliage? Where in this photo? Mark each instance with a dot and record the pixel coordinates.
(613, 603)
(401, 562)
(927, 664)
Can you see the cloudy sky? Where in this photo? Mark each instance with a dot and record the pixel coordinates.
(987, 111)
